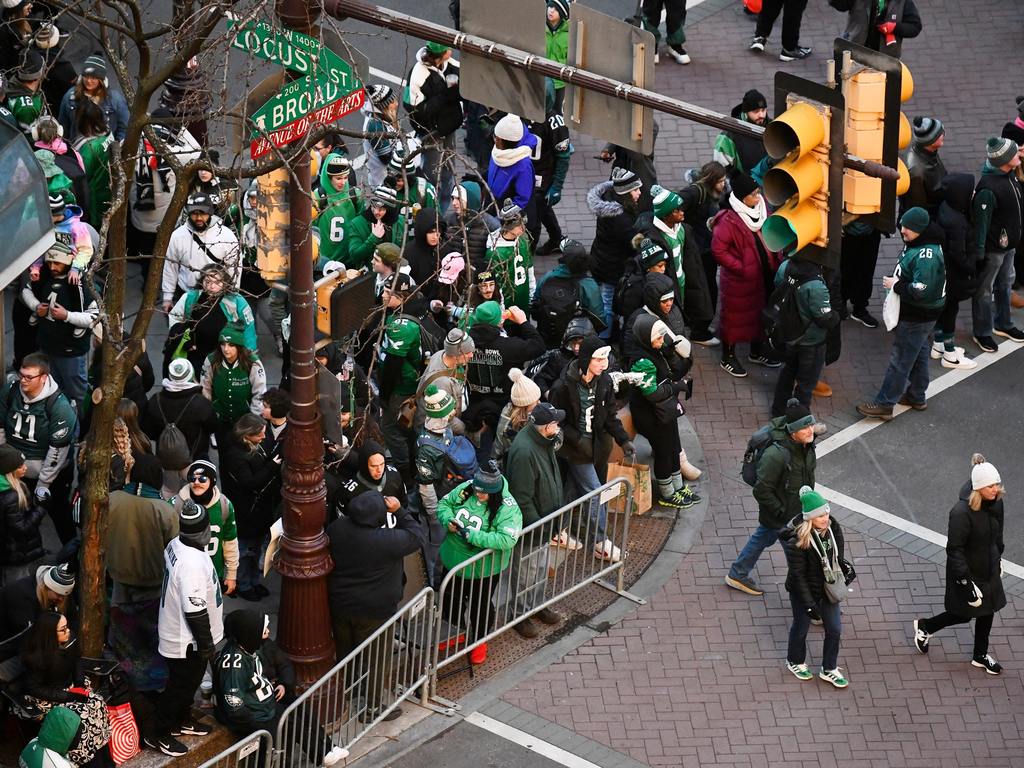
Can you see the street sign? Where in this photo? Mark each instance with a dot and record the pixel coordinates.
(299, 106)
(609, 46)
(492, 83)
(293, 50)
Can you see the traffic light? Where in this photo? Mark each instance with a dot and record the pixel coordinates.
(805, 140)
(344, 301)
(873, 86)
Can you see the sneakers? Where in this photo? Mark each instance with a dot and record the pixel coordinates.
(710, 340)
(335, 756)
(800, 52)
(565, 541)
(834, 676)
(758, 359)
(607, 551)
(479, 654)
(548, 616)
(822, 389)
(1011, 333)
(864, 317)
(820, 428)
(732, 366)
(657, 58)
(987, 663)
(904, 400)
(551, 246)
(958, 360)
(526, 628)
(800, 671)
(170, 746)
(744, 585)
(875, 411)
(758, 43)
(921, 637)
(192, 728)
(986, 343)
(679, 53)
(939, 349)
(683, 499)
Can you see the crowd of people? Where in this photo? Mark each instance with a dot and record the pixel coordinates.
(480, 394)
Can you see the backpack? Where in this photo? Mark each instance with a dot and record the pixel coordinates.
(557, 302)
(431, 335)
(758, 443)
(780, 317)
(171, 447)
(459, 458)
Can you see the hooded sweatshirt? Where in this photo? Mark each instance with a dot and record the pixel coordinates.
(424, 260)
(390, 483)
(335, 208)
(478, 225)
(189, 250)
(56, 736)
(368, 546)
(481, 530)
(245, 697)
(510, 172)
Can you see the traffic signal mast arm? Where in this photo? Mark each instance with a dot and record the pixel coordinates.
(409, 25)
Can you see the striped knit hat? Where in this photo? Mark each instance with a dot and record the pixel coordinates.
(438, 406)
(1000, 151)
(57, 578)
(927, 130)
(192, 518)
(95, 66)
(665, 201)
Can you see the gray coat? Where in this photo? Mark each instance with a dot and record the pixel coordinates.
(861, 21)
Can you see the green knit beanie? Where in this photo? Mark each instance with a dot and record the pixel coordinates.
(233, 335)
(665, 201)
(916, 219)
(812, 503)
(488, 313)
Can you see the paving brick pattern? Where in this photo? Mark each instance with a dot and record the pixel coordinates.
(697, 676)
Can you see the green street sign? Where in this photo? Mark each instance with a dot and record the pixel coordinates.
(293, 50)
(296, 100)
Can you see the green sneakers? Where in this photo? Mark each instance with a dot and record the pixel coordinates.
(800, 671)
(834, 676)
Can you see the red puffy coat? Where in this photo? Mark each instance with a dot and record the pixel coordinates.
(741, 278)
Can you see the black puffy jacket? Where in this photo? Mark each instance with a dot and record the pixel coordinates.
(954, 218)
(19, 530)
(974, 550)
(613, 241)
(252, 480)
(656, 285)
(806, 577)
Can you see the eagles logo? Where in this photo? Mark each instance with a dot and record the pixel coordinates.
(198, 602)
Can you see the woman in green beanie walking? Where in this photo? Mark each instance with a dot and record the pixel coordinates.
(818, 580)
(480, 514)
(234, 379)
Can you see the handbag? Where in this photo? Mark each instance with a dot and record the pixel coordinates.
(124, 733)
(891, 309)
(836, 589)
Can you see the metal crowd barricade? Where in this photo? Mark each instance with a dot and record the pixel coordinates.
(555, 556)
(361, 689)
(254, 751)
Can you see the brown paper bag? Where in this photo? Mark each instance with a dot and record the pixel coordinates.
(640, 476)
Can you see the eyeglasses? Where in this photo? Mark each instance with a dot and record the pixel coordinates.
(26, 377)
(64, 629)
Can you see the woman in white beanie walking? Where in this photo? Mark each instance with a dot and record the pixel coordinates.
(974, 571)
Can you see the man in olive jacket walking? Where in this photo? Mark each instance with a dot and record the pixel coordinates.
(535, 481)
(785, 465)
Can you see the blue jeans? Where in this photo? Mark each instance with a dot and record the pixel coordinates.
(990, 305)
(762, 538)
(908, 364)
(833, 626)
(70, 375)
(583, 479)
(607, 297)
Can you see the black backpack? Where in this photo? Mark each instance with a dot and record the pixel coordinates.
(171, 447)
(758, 443)
(557, 302)
(780, 317)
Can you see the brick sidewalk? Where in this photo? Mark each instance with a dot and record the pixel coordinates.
(697, 676)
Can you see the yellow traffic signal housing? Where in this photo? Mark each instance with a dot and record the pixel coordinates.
(799, 139)
(272, 221)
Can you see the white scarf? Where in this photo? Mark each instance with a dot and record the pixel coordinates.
(752, 217)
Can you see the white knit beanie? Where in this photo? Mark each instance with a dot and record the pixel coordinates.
(524, 390)
(509, 128)
(983, 474)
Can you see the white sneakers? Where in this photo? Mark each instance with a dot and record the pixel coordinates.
(938, 348)
(565, 541)
(335, 756)
(954, 359)
(607, 551)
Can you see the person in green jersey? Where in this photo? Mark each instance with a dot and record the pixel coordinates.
(414, 192)
(401, 361)
(337, 204)
(510, 259)
(201, 487)
(25, 96)
(93, 144)
(379, 222)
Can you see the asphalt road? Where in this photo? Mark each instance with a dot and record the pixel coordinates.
(466, 746)
(915, 465)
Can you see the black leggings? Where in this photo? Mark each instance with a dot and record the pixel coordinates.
(665, 446)
(982, 628)
(947, 320)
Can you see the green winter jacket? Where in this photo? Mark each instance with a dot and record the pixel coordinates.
(556, 46)
(815, 307)
(336, 209)
(56, 735)
(783, 468)
(534, 478)
(921, 279)
(499, 534)
(421, 194)
(361, 242)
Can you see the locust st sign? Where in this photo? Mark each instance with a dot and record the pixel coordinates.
(328, 90)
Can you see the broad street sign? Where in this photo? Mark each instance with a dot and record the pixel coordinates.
(297, 108)
(293, 50)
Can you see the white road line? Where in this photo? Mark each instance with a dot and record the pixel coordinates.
(862, 508)
(527, 741)
(386, 76)
(943, 382)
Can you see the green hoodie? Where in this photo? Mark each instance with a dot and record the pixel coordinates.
(499, 534)
(361, 242)
(336, 208)
(556, 46)
(56, 735)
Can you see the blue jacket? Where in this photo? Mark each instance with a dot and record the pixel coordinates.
(114, 107)
(510, 173)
